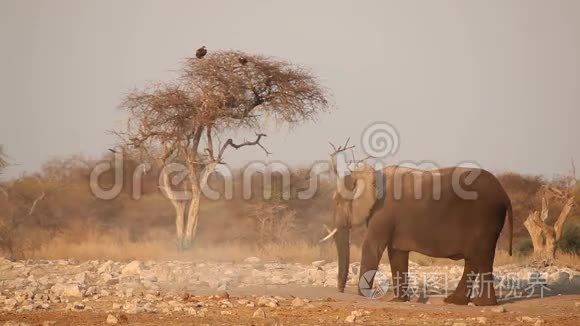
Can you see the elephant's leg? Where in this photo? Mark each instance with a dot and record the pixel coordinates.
(486, 295)
(462, 293)
(399, 261)
(372, 250)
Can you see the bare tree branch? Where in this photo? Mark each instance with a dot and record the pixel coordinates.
(37, 199)
(35, 202)
(563, 216)
(342, 148)
(231, 143)
(336, 151)
(3, 161)
(209, 141)
(573, 169)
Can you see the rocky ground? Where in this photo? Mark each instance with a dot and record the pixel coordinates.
(185, 292)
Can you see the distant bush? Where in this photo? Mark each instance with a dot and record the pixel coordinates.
(570, 240)
(523, 247)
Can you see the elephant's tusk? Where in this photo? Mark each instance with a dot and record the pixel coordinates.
(330, 235)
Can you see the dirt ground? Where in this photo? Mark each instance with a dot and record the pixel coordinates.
(329, 308)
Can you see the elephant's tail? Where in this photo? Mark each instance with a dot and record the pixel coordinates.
(510, 217)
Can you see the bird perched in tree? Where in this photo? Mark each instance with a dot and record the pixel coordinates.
(201, 52)
(243, 60)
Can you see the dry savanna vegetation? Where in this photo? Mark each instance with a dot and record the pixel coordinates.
(53, 214)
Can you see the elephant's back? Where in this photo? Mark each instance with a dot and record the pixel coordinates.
(445, 184)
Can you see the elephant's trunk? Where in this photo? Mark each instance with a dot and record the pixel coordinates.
(341, 239)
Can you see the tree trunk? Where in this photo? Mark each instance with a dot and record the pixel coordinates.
(196, 186)
(192, 216)
(550, 248)
(536, 235)
(544, 236)
(179, 206)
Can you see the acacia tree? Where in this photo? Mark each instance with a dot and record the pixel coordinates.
(214, 96)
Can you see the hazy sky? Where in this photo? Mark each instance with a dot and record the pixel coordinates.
(497, 82)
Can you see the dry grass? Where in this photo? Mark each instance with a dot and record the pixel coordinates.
(159, 245)
(117, 247)
(114, 246)
(569, 259)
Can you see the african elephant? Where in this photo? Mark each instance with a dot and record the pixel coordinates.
(455, 213)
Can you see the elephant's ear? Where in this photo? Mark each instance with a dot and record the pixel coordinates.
(364, 196)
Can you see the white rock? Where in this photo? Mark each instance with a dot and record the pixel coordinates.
(10, 304)
(15, 323)
(267, 302)
(133, 268)
(259, 313)
(112, 319)
(297, 302)
(498, 309)
(481, 320)
(149, 307)
(360, 313)
(528, 319)
(133, 308)
(91, 291)
(252, 260)
(350, 319)
(331, 283)
(81, 278)
(279, 279)
(575, 281)
(129, 292)
(67, 290)
(77, 306)
(201, 313)
(106, 267)
(558, 279)
(318, 277)
(318, 263)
